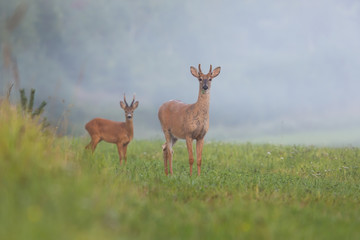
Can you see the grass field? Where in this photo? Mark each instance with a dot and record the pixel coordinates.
(51, 188)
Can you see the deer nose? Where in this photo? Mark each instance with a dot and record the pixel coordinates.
(129, 116)
(205, 87)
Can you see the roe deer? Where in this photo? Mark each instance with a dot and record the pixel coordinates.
(120, 133)
(187, 121)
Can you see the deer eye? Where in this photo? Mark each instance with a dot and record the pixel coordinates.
(200, 79)
(210, 79)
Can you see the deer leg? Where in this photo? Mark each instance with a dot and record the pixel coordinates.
(95, 141)
(120, 151)
(169, 155)
(173, 141)
(189, 142)
(89, 145)
(124, 151)
(165, 156)
(199, 148)
(167, 151)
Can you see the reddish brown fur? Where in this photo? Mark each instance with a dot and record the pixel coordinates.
(187, 121)
(120, 133)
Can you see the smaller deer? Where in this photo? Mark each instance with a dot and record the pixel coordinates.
(120, 133)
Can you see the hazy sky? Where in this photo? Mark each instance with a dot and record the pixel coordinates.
(289, 68)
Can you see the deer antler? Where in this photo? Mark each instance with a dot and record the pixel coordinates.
(125, 101)
(200, 69)
(210, 68)
(133, 100)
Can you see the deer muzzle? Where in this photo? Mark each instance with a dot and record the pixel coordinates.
(205, 84)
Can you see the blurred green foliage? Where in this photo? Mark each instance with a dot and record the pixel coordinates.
(27, 106)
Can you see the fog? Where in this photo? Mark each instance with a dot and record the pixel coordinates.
(289, 70)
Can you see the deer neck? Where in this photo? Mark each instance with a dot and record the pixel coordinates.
(129, 127)
(203, 101)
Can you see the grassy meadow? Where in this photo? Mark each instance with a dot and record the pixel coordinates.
(51, 188)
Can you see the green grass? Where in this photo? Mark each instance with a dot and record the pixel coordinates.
(51, 188)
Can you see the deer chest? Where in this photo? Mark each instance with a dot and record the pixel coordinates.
(199, 126)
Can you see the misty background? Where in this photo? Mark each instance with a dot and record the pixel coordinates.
(289, 69)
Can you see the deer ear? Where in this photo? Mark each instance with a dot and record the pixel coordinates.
(194, 72)
(215, 72)
(122, 105)
(135, 105)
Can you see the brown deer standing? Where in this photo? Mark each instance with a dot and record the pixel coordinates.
(187, 121)
(120, 133)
